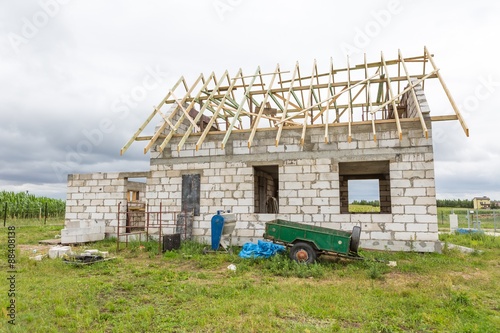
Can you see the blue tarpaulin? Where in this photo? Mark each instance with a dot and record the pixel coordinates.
(260, 250)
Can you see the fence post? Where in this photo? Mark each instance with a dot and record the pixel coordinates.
(495, 221)
(5, 215)
(46, 211)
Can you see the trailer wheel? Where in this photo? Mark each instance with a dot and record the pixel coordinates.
(303, 253)
(356, 233)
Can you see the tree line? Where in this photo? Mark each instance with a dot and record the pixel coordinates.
(374, 203)
(455, 203)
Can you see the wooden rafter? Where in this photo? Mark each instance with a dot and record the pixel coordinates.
(179, 122)
(391, 96)
(335, 97)
(287, 103)
(415, 99)
(448, 94)
(151, 116)
(369, 101)
(263, 104)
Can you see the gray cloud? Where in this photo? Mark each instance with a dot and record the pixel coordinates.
(78, 68)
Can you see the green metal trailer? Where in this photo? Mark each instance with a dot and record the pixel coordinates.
(307, 242)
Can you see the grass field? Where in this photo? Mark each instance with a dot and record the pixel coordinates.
(186, 291)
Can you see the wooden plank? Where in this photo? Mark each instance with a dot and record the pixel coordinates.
(170, 117)
(448, 94)
(186, 114)
(415, 82)
(240, 109)
(214, 117)
(415, 99)
(309, 103)
(336, 84)
(151, 116)
(290, 103)
(200, 113)
(392, 98)
(349, 101)
(263, 104)
(332, 97)
(370, 65)
(181, 119)
(369, 101)
(444, 118)
(328, 94)
(161, 128)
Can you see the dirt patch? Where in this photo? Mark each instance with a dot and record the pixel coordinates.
(34, 250)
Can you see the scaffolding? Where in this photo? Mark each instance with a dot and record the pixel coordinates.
(154, 224)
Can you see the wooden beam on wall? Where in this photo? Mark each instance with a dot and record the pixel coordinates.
(392, 98)
(415, 99)
(369, 101)
(287, 103)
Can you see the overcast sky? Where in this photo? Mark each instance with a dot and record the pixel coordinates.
(78, 77)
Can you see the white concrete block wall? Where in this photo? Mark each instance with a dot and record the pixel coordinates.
(95, 197)
(82, 231)
(309, 184)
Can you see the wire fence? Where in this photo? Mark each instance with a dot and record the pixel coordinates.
(469, 218)
(42, 213)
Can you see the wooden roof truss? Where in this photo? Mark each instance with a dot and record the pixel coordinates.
(367, 92)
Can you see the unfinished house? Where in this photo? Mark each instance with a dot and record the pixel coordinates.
(291, 144)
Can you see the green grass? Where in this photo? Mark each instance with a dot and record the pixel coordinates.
(187, 291)
(59, 221)
(363, 209)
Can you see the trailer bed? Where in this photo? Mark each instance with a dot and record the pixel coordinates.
(320, 239)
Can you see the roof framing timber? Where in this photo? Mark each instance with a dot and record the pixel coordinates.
(354, 94)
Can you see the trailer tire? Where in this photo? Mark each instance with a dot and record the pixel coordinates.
(303, 252)
(355, 236)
